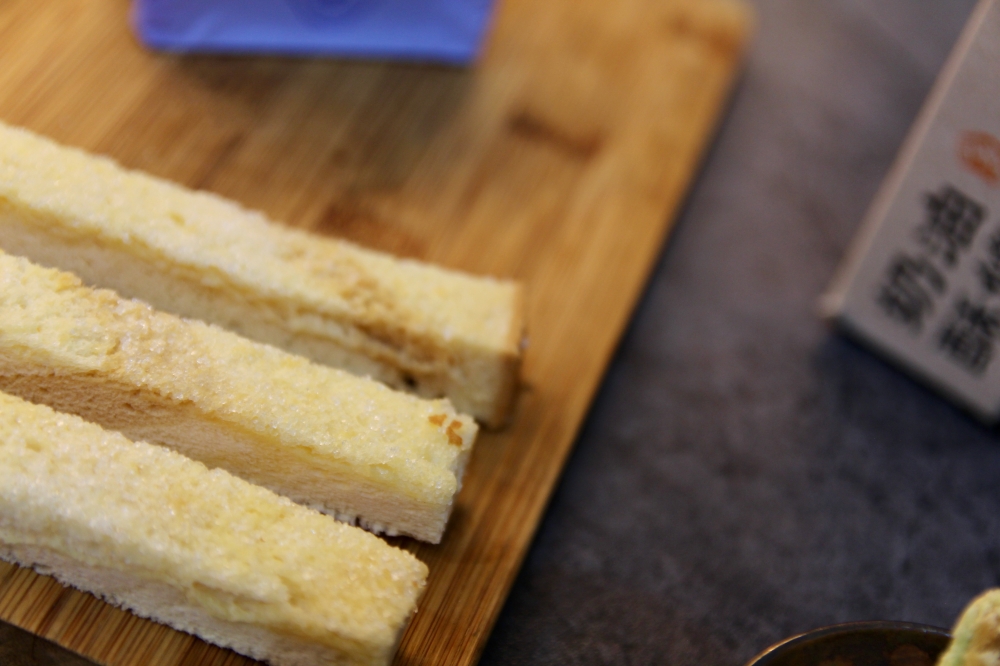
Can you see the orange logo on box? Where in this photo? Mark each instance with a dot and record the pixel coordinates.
(979, 152)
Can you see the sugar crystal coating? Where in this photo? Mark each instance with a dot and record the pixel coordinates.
(224, 245)
(238, 551)
(378, 434)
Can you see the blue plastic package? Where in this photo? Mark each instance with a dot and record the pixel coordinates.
(424, 30)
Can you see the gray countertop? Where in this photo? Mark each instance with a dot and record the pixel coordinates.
(745, 474)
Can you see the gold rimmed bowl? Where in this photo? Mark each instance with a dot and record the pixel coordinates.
(879, 643)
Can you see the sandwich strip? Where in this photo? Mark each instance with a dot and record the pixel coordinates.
(344, 445)
(410, 325)
(200, 550)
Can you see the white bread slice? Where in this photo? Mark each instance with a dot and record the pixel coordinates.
(200, 550)
(342, 444)
(975, 640)
(410, 325)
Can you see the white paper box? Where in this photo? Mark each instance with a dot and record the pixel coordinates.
(922, 281)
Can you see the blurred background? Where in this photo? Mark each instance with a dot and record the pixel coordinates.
(744, 474)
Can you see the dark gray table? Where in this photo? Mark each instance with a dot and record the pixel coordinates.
(745, 474)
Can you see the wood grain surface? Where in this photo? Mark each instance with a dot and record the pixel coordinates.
(559, 160)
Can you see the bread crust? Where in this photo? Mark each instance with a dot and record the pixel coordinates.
(510, 360)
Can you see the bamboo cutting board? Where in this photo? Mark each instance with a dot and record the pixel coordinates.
(560, 160)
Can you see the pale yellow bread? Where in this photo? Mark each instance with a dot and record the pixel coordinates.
(408, 324)
(198, 549)
(976, 637)
(345, 445)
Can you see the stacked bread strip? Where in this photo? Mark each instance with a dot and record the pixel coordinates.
(342, 444)
(407, 324)
(200, 550)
